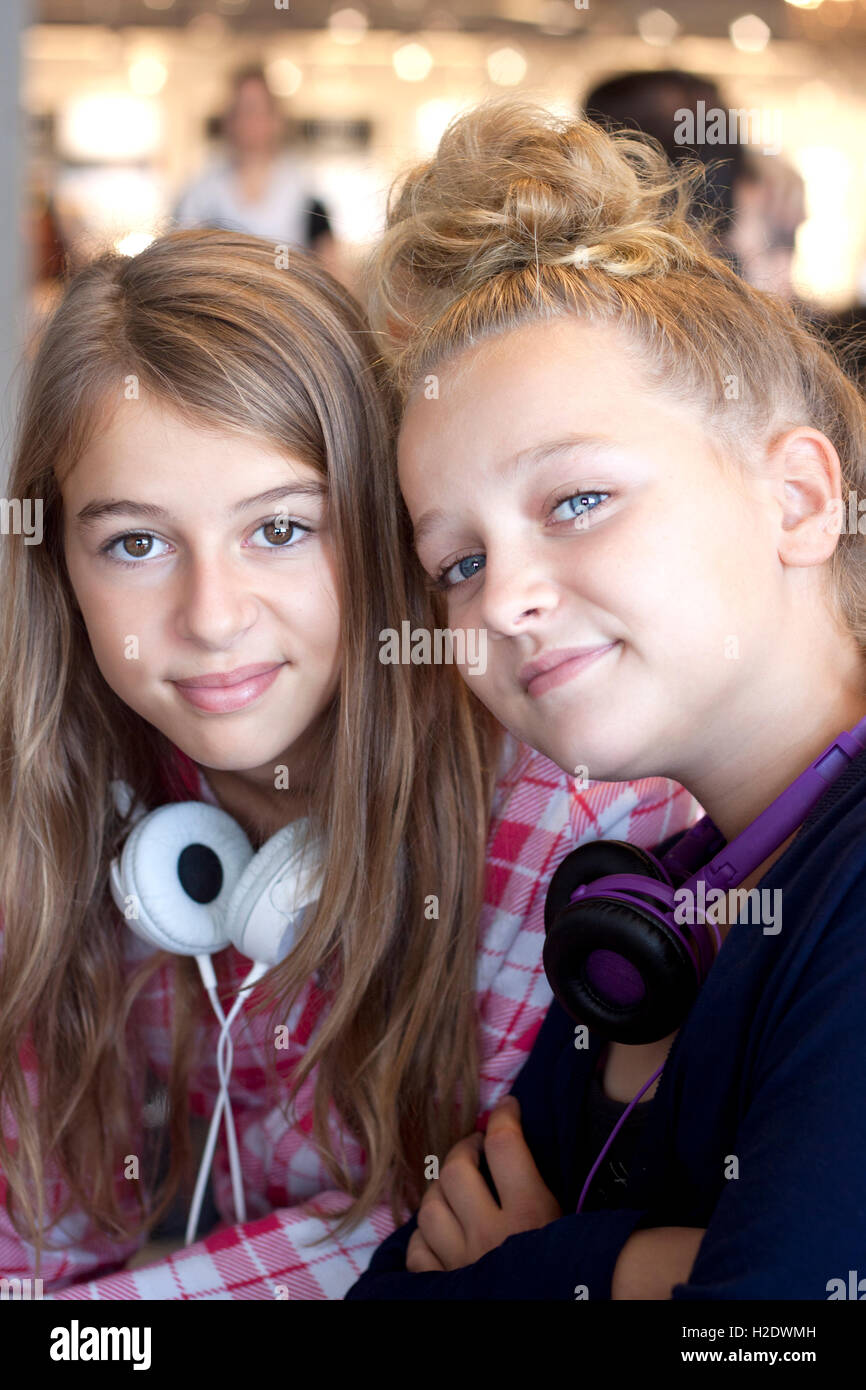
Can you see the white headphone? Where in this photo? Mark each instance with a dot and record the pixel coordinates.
(188, 881)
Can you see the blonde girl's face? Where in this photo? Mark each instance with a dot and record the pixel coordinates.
(627, 580)
(205, 574)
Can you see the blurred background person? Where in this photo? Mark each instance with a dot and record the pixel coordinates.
(770, 204)
(755, 203)
(649, 102)
(257, 185)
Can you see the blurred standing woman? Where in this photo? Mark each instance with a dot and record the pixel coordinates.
(256, 186)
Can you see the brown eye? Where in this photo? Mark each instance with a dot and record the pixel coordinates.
(137, 546)
(281, 533)
(279, 530)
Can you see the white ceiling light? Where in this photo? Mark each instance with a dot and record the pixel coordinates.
(657, 27)
(147, 75)
(284, 77)
(750, 34)
(412, 62)
(506, 67)
(347, 26)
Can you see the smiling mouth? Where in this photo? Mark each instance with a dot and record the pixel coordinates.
(556, 668)
(232, 690)
(221, 679)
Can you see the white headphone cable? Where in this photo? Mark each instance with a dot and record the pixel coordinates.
(225, 1057)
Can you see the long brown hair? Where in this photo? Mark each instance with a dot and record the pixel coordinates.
(523, 216)
(218, 329)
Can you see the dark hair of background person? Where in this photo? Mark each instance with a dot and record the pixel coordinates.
(649, 102)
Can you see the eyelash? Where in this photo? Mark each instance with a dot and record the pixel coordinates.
(439, 582)
(130, 564)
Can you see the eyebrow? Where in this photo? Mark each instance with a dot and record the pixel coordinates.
(541, 453)
(96, 510)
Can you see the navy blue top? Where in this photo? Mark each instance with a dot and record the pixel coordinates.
(757, 1130)
(599, 1115)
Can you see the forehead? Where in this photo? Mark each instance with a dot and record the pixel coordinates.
(147, 445)
(501, 392)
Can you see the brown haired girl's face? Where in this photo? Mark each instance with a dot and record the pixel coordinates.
(204, 570)
(584, 521)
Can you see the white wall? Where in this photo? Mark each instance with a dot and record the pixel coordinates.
(13, 17)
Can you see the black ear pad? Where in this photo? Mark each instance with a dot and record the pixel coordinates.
(612, 965)
(599, 859)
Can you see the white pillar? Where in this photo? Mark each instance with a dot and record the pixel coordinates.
(14, 16)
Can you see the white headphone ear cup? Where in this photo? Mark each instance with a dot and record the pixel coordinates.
(177, 871)
(124, 798)
(267, 907)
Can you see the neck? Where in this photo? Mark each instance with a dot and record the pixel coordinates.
(758, 755)
(257, 803)
(253, 159)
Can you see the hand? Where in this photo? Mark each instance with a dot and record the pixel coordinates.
(459, 1219)
(653, 1260)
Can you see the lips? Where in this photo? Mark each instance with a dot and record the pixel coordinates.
(227, 678)
(555, 667)
(227, 691)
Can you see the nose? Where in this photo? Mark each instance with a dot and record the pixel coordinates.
(216, 607)
(518, 591)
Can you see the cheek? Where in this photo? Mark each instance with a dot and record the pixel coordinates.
(314, 608)
(122, 649)
(671, 549)
(118, 627)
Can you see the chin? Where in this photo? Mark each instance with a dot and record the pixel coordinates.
(237, 754)
(589, 760)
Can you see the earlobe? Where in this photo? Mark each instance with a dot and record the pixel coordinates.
(808, 478)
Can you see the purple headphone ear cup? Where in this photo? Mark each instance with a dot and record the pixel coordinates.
(614, 967)
(612, 964)
(595, 860)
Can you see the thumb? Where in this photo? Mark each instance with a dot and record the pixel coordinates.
(509, 1159)
(505, 1114)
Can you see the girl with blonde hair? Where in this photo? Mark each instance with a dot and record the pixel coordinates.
(207, 434)
(632, 475)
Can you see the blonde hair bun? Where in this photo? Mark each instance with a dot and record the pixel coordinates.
(513, 185)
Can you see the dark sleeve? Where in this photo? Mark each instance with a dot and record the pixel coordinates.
(575, 1252)
(571, 1258)
(318, 223)
(795, 1218)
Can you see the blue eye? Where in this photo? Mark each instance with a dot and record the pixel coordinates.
(137, 556)
(282, 533)
(584, 504)
(461, 570)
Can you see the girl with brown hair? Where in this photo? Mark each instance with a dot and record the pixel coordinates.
(208, 437)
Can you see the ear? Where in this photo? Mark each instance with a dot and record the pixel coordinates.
(807, 483)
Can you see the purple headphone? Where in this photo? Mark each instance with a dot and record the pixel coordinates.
(616, 957)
